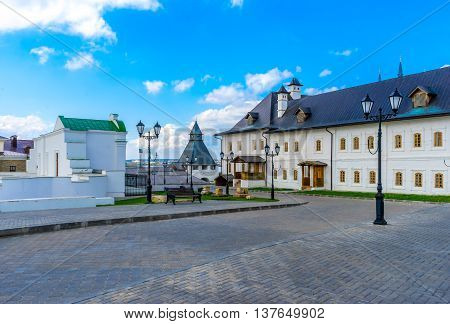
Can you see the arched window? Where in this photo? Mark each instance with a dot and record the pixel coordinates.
(275, 174)
(398, 179)
(356, 143)
(398, 141)
(356, 177)
(318, 146)
(439, 180)
(370, 142)
(372, 177)
(417, 140)
(342, 144)
(418, 180)
(295, 175)
(296, 148)
(284, 174)
(438, 139)
(342, 176)
(286, 146)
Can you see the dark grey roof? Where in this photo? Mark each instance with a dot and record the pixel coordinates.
(282, 90)
(295, 81)
(22, 146)
(196, 150)
(343, 107)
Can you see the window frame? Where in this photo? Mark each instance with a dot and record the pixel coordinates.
(441, 180)
(355, 140)
(398, 175)
(439, 139)
(370, 147)
(419, 134)
(374, 177)
(342, 142)
(342, 175)
(357, 176)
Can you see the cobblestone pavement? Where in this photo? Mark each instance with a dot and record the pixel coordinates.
(325, 251)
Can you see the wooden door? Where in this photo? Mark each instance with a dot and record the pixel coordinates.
(318, 176)
(57, 164)
(306, 183)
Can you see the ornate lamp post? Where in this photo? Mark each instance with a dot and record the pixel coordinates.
(157, 129)
(228, 158)
(272, 154)
(187, 170)
(164, 171)
(395, 100)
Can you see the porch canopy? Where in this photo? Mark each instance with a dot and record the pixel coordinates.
(312, 163)
(249, 167)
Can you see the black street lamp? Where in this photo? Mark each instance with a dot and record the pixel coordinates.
(267, 152)
(157, 129)
(395, 100)
(228, 158)
(277, 151)
(164, 171)
(187, 170)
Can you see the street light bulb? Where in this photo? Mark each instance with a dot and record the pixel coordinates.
(366, 104)
(395, 99)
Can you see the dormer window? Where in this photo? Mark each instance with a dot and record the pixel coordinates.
(251, 117)
(421, 96)
(302, 114)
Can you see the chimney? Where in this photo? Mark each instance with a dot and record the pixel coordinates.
(282, 96)
(13, 141)
(113, 117)
(295, 89)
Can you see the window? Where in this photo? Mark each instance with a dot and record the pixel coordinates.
(356, 177)
(296, 148)
(195, 167)
(230, 146)
(254, 145)
(318, 146)
(398, 179)
(12, 168)
(439, 180)
(284, 175)
(261, 144)
(295, 175)
(438, 139)
(356, 143)
(418, 180)
(213, 167)
(239, 148)
(342, 176)
(275, 174)
(417, 140)
(342, 144)
(286, 146)
(372, 177)
(204, 167)
(370, 143)
(398, 141)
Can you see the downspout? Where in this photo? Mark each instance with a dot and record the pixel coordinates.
(331, 159)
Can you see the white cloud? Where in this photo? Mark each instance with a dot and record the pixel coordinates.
(80, 17)
(261, 82)
(153, 87)
(26, 127)
(207, 77)
(444, 66)
(346, 52)
(225, 94)
(324, 73)
(81, 61)
(236, 3)
(315, 91)
(183, 85)
(298, 69)
(43, 53)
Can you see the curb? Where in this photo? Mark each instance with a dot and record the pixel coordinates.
(135, 219)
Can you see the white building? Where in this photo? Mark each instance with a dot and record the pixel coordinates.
(326, 141)
(83, 149)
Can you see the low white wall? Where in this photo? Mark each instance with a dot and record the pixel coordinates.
(46, 187)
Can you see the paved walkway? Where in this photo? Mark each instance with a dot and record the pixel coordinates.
(40, 221)
(325, 251)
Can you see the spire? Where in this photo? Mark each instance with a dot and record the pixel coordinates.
(196, 133)
(282, 90)
(379, 75)
(400, 69)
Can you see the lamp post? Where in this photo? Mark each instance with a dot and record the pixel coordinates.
(266, 155)
(272, 154)
(164, 172)
(228, 158)
(157, 129)
(192, 164)
(395, 100)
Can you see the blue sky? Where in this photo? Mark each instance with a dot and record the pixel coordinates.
(225, 54)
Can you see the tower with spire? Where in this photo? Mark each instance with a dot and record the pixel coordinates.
(379, 75)
(400, 68)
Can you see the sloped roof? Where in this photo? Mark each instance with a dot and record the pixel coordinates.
(196, 129)
(282, 90)
(343, 107)
(295, 81)
(196, 149)
(21, 146)
(78, 124)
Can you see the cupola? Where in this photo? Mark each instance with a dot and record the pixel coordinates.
(283, 97)
(295, 89)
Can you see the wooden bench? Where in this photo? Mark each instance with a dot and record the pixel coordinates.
(182, 192)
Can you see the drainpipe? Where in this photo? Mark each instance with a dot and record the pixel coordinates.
(331, 159)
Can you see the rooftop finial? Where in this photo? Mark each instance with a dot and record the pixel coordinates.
(379, 75)
(400, 69)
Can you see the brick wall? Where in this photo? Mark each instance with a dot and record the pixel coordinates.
(20, 165)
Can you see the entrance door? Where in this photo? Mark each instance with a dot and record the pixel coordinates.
(318, 176)
(306, 182)
(57, 163)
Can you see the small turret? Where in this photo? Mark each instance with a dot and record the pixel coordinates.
(295, 88)
(282, 96)
(400, 68)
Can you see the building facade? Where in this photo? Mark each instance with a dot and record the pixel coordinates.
(325, 142)
(83, 148)
(14, 154)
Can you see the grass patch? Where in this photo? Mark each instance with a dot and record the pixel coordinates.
(357, 194)
(143, 200)
(268, 189)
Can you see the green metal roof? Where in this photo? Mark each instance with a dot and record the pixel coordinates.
(77, 124)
